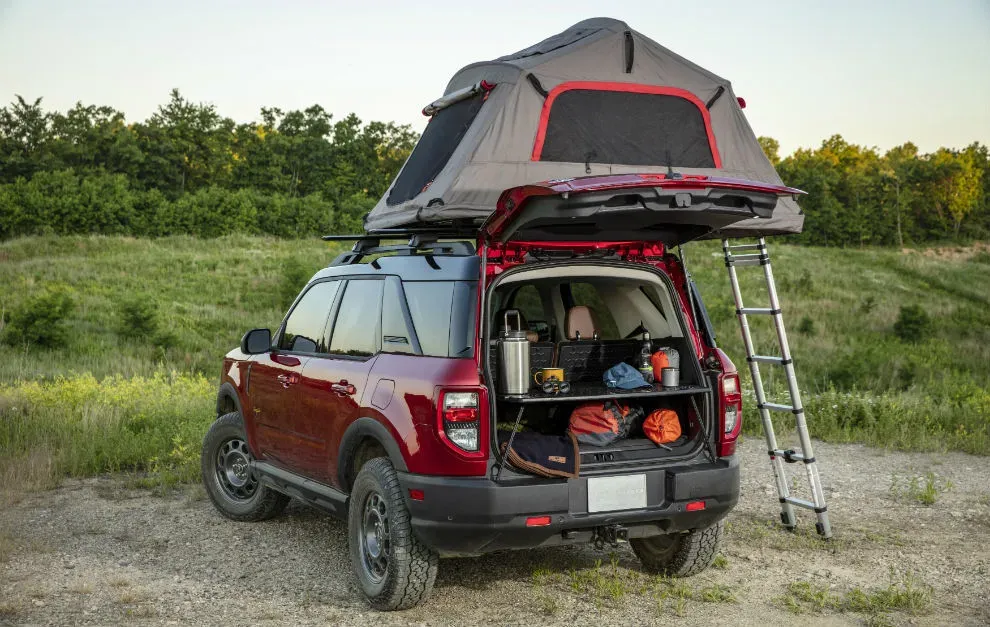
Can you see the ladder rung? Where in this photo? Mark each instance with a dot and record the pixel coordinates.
(801, 503)
(777, 407)
(770, 359)
(745, 247)
(758, 311)
(747, 260)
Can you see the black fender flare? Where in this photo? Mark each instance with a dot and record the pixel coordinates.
(227, 390)
(359, 430)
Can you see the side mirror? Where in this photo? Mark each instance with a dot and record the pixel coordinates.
(256, 341)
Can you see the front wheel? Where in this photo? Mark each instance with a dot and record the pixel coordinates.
(227, 475)
(395, 570)
(679, 554)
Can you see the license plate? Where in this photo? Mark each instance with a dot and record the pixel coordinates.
(608, 494)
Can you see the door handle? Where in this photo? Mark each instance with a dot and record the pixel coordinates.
(343, 388)
(288, 379)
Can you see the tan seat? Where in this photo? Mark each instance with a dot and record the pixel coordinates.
(580, 324)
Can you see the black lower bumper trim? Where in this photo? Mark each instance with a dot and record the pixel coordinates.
(461, 515)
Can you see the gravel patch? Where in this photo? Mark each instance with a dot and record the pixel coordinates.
(98, 552)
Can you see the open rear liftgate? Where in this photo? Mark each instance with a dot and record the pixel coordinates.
(761, 257)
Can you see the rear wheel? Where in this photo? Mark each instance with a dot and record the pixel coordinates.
(679, 554)
(226, 467)
(396, 571)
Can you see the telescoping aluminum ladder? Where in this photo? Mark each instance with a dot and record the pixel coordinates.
(739, 255)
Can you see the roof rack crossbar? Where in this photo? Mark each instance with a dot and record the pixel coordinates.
(419, 243)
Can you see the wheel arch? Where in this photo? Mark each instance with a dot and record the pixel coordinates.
(362, 434)
(228, 400)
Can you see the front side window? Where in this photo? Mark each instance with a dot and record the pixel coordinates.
(625, 124)
(305, 325)
(357, 329)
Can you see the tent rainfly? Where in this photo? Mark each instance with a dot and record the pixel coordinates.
(596, 99)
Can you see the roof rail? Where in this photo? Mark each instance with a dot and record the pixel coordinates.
(426, 243)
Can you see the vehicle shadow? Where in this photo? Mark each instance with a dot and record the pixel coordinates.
(327, 536)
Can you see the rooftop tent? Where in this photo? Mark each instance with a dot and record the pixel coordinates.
(596, 99)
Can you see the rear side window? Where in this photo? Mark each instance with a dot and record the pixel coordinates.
(304, 328)
(527, 301)
(442, 314)
(586, 294)
(602, 125)
(357, 329)
(438, 142)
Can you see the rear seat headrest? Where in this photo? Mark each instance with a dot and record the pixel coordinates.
(580, 321)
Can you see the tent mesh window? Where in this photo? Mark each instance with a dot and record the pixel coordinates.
(441, 137)
(628, 128)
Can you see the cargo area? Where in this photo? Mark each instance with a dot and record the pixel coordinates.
(584, 318)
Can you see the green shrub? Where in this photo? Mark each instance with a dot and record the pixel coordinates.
(138, 319)
(806, 326)
(79, 426)
(913, 324)
(41, 319)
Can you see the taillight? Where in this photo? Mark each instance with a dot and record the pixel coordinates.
(730, 407)
(460, 416)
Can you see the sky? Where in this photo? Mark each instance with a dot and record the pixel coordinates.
(878, 72)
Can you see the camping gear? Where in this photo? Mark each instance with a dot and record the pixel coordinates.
(646, 359)
(670, 378)
(659, 361)
(624, 377)
(600, 423)
(514, 352)
(542, 455)
(545, 374)
(598, 98)
(662, 426)
(553, 385)
(673, 358)
(731, 413)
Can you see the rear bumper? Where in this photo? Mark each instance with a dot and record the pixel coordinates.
(460, 515)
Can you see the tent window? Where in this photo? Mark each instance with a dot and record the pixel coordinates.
(441, 137)
(625, 124)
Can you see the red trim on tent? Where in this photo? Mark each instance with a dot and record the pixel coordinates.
(626, 87)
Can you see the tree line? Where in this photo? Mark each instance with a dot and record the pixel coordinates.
(860, 196)
(189, 170)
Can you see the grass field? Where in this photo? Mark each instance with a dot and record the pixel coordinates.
(135, 391)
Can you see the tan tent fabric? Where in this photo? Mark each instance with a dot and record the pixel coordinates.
(496, 151)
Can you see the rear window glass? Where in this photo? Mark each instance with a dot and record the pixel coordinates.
(442, 135)
(599, 126)
(442, 313)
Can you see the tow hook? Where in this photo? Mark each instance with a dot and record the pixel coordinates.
(611, 535)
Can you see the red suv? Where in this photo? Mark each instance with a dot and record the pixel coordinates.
(377, 399)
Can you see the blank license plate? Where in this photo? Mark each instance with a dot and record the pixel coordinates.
(607, 494)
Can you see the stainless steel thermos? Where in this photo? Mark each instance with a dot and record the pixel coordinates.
(514, 353)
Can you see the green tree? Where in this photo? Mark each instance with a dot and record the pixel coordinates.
(771, 148)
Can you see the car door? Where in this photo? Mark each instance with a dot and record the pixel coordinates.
(276, 376)
(333, 383)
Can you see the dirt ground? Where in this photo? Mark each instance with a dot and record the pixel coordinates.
(100, 552)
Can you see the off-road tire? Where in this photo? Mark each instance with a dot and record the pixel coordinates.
(411, 566)
(679, 555)
(262, 502)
